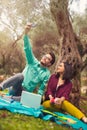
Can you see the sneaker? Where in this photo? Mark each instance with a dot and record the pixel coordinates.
(84, 119)
(1, 88)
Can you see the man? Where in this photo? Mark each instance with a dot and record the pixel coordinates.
(35, 73)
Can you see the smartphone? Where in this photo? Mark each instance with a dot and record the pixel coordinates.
(33, 25)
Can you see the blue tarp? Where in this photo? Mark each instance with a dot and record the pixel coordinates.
(57, 117)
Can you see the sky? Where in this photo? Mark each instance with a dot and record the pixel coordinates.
(79, 6)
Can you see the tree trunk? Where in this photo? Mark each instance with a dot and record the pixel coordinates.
(68, 44)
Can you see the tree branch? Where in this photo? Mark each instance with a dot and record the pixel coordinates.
(84, 65)
(84, 50)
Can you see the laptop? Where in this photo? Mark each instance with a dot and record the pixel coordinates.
(29, 99)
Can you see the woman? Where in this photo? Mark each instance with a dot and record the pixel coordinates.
(58, 90)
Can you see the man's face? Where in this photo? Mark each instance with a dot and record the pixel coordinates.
(46, 60)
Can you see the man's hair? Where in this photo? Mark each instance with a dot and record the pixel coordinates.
(53, 57)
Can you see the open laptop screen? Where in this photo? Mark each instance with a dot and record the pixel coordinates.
(30, 99)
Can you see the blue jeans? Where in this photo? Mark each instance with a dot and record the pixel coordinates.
(14, 83)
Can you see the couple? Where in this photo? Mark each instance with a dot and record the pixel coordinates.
(35, 72)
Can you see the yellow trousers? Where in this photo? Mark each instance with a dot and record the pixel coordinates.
(66, 106)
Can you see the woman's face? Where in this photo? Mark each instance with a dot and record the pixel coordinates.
(61, 68)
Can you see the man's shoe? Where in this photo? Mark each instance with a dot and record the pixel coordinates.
(1, 88)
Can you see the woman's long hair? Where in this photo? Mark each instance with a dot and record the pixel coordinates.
(68, 73)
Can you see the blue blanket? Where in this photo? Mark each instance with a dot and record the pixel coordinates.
(59, 118)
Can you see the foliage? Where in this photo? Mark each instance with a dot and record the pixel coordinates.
(11, 58)
(14, 17)
(79, 24)
(44, 36)
(37, 11)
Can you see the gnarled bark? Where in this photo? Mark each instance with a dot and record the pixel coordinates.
(68, 44)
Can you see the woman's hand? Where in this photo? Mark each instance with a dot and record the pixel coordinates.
(51, 99)
(59, 101)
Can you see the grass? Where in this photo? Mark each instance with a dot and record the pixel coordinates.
(15, 121)
(11, 121)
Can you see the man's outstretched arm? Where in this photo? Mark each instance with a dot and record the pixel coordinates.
(27, 46)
